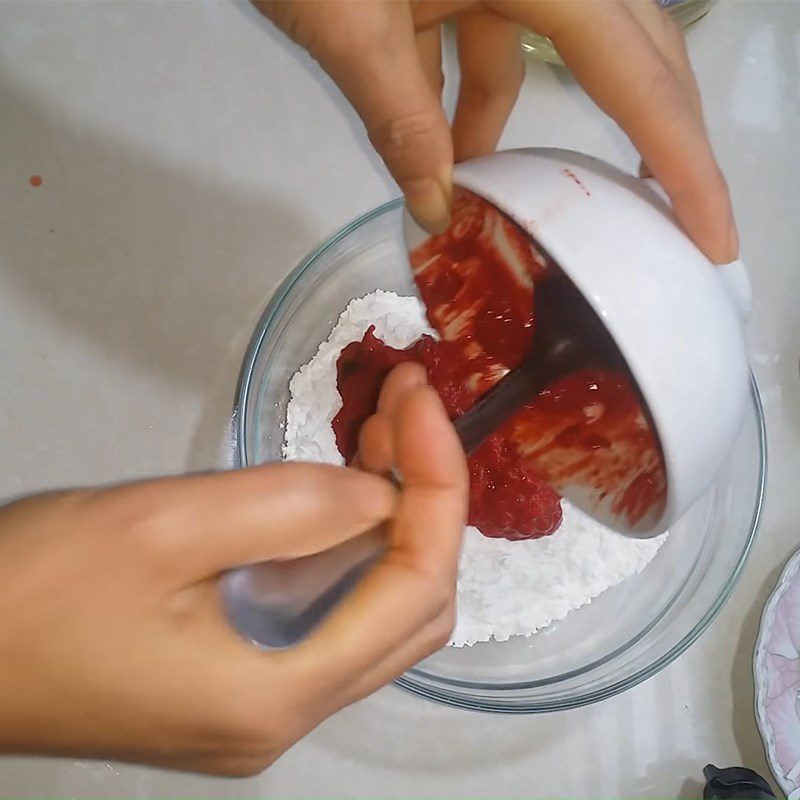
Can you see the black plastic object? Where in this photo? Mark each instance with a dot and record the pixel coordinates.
(735, 783)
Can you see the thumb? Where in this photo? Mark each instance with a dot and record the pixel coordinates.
(369, 49)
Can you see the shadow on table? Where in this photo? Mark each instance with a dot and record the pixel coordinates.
(134, 255)
(302, 59)
(392, 730)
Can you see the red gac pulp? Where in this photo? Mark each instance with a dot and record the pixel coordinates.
(507, 498)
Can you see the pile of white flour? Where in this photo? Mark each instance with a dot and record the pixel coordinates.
(504, 588)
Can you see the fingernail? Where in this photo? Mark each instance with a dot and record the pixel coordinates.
(429, 203)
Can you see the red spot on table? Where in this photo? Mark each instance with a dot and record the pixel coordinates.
(572, 176)
(36, 180)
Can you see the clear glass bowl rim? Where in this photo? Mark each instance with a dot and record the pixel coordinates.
(440, 694)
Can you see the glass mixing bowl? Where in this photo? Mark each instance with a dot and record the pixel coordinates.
(626, 634)
(684, 12)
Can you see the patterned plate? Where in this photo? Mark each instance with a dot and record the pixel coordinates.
(776, 666)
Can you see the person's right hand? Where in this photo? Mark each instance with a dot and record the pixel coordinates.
(113, 638)
(629, 56)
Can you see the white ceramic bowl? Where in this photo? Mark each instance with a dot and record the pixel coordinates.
(678, 320)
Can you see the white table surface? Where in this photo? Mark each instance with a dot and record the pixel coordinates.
(190, 158)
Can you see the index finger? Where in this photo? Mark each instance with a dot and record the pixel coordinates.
(412, 584)
(615, 60)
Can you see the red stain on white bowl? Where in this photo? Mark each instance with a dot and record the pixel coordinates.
(572, 176)
(36, 181)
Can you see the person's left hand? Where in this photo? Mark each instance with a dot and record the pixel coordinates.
(113, 638)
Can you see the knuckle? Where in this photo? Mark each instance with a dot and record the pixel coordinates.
(440, 640)
(247, 745)
(442, 629)
(320, 29)
(253, 730)
(340, 44)
(375, 499)
(137, 516)
(248, 728)
(153, 528)
(395, 137)
(307, 26)
(441, 603)
(438, 590)
(662, 82)
(368, 498)
(246, 767)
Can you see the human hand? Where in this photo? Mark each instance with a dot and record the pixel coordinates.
(114, 642)
(628, 55)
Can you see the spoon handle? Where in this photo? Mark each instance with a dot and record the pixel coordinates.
(507, 397)
(277, 604)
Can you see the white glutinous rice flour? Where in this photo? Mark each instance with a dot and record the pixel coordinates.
(504, 588)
